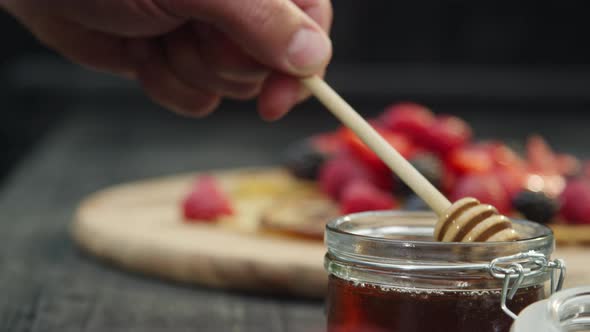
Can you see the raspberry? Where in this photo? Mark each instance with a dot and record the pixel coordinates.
(447, 133)
(575, 202)
(359, 196)
(484, 187)
(408, 118)
(206, 202)
(336, 173)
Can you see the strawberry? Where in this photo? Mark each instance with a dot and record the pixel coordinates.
(544, 168)
(508, 166)
(359, 196)
(447, 133)
(512, 179)
(327, 143)
(206, 202)
(486, 188)
(586, 169)
(354, 144)
(502, 155)
(575, 202)
(541, 158)
(408, 118)
(470, 159)
(568, 165)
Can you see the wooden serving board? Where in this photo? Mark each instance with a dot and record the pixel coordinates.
(139, 227)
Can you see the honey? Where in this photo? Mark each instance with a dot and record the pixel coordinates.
(362, 307)
(389, 274)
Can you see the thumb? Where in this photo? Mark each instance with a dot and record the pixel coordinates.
(274, 32)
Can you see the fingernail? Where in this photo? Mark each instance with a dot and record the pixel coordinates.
(139, 50)
(308, 50)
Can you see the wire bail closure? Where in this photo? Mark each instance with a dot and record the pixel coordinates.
(524, 265)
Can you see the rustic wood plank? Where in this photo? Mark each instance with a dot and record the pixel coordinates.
(48, 285)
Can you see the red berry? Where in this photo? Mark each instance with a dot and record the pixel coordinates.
(540, 156)
(336, 173)
(512, 179)
(586, 169)
(206, 201)
(362, 152)
(359, 196)
(484, 187)
(575, 201)
(568, 165)
(470, 159)
(408, 118)
(503, 156)
(447, 133)
(448, 180)
(328, 143)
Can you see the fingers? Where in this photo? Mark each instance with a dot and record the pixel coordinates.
(281, 93)
(163, 86)
(184, 54)
(189, 71)
(274, 32)
(228, 59)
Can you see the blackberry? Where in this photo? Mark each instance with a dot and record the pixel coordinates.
(415, 203)
(428, 165)
(303, 160)
(535, 206)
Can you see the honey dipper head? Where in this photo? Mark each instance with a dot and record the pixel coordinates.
(467, 220)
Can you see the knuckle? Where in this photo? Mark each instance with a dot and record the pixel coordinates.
(265, 13)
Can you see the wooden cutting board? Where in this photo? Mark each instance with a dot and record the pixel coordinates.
(139, 227)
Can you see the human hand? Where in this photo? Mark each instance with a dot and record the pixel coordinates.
(189, 54)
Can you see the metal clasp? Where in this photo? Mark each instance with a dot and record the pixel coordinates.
(521, 266)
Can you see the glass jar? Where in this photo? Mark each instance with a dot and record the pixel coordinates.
(565, 311)
(387, 273)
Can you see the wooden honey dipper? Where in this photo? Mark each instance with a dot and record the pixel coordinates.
(466, 220)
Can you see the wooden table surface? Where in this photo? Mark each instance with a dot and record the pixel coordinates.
(46, 284)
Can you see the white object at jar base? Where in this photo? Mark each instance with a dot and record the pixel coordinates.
(573, 305)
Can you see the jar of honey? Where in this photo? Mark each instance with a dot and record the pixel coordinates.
(388, 274)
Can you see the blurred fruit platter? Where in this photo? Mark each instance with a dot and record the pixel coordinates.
(344, 176)
(261, 229)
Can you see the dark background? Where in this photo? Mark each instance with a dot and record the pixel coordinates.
(494, 58)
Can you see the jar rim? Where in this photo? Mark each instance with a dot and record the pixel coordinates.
(394, 235)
